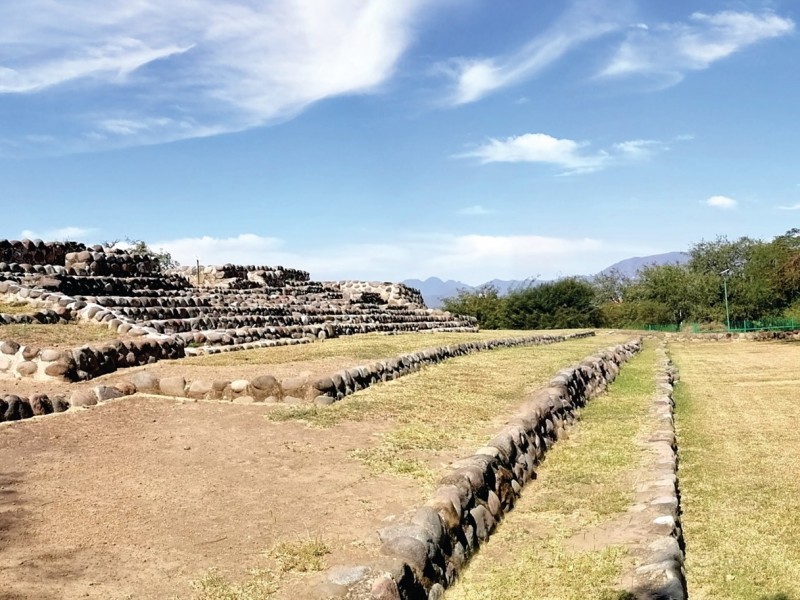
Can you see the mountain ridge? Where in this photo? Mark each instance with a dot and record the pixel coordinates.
(434, 289)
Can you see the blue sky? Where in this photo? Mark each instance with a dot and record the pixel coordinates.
(377, 139)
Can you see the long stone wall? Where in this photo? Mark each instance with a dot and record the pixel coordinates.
(425, 555)
(336, 386)
(660, 551)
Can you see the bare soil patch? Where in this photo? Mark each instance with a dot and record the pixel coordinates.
(136, 498)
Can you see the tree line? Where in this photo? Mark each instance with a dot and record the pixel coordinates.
(760, 280)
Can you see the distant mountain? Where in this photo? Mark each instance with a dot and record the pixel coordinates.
(503, 286)
(434, 290)
(630, 267)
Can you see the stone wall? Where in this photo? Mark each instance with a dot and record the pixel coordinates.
(424, 555)
(329, 389)
(36, 252)
(393, 294)
(106, 262)
(86, 362)
(213, 276)
(659, 552)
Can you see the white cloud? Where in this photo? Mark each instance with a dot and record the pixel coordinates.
(470, 258)
(475, 78)
(792, 207)
(573, 156)
(153, 71)
(669, 50)
(60, 234)
(474, 211)
(723, 202)
(115, 59)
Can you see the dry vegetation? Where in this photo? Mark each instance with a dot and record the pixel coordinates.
(16, 307)
(67, 335)
(358, 347)
(455, 409)
(585, 483)
(737, 410)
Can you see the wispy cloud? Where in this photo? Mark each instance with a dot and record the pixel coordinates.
(722, 202)
(63, 233)
(155, 71)
(475, 78)
(473, 258)
(474, 211)
(669, 50)
(792, 207)
(574, 157)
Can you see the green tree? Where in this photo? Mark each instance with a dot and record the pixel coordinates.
(483, 303)
(566, 303)
(674, 291)
(163, 257)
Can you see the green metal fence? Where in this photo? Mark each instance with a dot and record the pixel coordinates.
(768, 324)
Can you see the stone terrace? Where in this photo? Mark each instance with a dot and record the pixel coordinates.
(186, 311)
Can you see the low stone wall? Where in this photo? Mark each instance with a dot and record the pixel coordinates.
(759, 336)
(212, 276)
(393, 294)
(86, 362)
(16, 408)
(36, 252)
(107, 262)
(328, 390)
(425, 555)
(660, 571)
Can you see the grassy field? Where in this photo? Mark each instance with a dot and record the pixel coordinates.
(585, 482)
(737, 412)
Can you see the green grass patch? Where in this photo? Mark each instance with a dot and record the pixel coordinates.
(585, 482)
(447, 406)
(740, 469)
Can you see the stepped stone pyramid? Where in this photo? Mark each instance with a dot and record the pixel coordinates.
(189, 310)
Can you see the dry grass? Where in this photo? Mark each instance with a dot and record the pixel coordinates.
(358, 347)
(261, 585)
(737, 412)
(449, 407)
(301, 556)
(585, 482)
(57, 335)
(16, 307)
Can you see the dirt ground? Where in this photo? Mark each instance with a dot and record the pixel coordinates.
(138, 497)
(135, 498)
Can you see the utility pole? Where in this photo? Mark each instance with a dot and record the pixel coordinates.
(725, 274)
